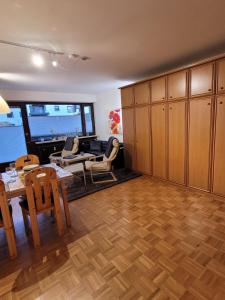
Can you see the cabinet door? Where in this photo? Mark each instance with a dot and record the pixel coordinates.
(177, 85)
(177, 139)
(158, 118)
(127, 96)
(221, 76)
(128, 137)
(199, 143)
(202, 80)
(219, 160)
(142, 93)
(142, 149)
(158, 89)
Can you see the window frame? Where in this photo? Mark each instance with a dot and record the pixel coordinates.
(24, 115)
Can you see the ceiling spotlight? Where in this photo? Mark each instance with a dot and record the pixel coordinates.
(54, 63)
(38, 60)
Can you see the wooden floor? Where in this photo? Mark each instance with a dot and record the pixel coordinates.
(142, 239)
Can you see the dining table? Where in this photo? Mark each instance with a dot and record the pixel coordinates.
(15, 188)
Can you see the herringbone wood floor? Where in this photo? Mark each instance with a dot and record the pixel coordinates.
(142, 239)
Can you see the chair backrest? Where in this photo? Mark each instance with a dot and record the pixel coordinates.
(26, 160)
(111, 149)
(71, 146)
(4, 208)
(41, 188)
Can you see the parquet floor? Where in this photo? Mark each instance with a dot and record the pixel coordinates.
(142, 239)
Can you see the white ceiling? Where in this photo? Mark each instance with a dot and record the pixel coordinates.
(126, 40)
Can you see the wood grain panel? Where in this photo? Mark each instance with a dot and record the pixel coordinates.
(142, 93)
(202, 80)
(158, 89)
(176, 141)
(128, 137)
(219, 160)
(142, 126)
(177, 85)
(127, 96)
(221, 76)
(199, 142)
(158, 118)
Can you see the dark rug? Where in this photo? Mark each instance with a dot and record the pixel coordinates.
(76, 188)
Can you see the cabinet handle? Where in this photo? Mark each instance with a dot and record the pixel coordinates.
(221, 102)
(209, 103)
(163, 108)
(171, 96)
(221, 87)
(163, 98)
(209, 90)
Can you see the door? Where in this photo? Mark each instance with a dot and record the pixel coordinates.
(158, 118)
(142, 139)
(177, 141)
(202, 80)
(221, 76)
(128, 137)
(142, 93)
(158, 89)
(177, 85)
(219, 157)
(127, 96)
(13, 142)
(199, 142)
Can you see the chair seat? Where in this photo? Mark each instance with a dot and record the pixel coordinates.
(10, 210)
(97, 165)
(75, 168)
(24, 203)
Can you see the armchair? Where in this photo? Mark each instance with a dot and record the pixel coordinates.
(105, 165)
(70, 149)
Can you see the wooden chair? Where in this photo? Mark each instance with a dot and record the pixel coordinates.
(26, 160)
(42, 195)
(6, 220)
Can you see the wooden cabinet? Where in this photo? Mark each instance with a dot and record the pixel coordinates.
(202, 80)
(127, 96)
(142, 93)
(158, 89)
(221, 76)
(199, 142)
(128, 137)
(177, 85)
(142, 139)
(177, 141)
(158, 118)
(219, 156)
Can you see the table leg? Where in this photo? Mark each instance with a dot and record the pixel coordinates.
(65, 203)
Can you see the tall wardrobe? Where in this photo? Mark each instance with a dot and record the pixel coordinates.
(174, 126)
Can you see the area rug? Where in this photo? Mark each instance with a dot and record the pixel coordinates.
(76, 188)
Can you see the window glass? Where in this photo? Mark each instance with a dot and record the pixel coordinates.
(54, 121)
(88, 119)
(12, 137)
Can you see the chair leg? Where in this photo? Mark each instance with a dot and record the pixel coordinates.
(103, 181)
(25, 221)
(85, 182)
(35, 229)
(10, 236)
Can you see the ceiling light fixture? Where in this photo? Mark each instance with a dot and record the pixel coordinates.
(55, 63)
(38, 60)
(4, 108)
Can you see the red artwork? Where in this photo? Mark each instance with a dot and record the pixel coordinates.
(115, 121)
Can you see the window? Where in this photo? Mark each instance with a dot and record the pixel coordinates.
(88, 120)
(45, 122)
(56, 108)
(12, 136)
(10, 115)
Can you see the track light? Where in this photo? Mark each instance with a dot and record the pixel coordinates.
(54, 63)
(38, 60)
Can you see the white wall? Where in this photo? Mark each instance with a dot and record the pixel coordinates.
(18, 95)
(105, 102)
